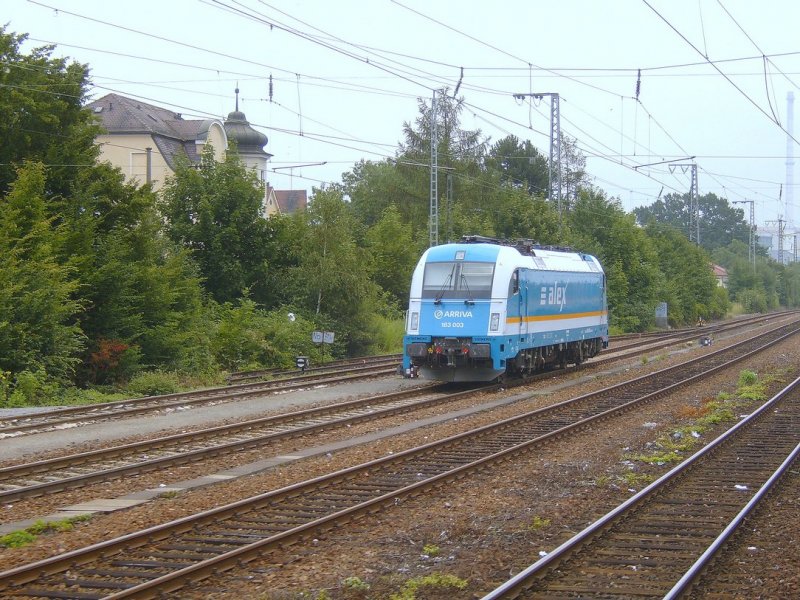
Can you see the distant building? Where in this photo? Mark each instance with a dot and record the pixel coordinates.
(771, 241)
(290, 201)
(144, 141)
(721, 274)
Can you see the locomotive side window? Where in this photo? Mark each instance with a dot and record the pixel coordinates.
(515, 283)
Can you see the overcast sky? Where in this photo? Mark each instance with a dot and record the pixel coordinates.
(347, 74)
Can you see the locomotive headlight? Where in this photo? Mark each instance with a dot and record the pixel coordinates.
(494, 324)
(414, 321)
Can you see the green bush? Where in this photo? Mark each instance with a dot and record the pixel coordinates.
(90, 396)
(387, 335)
(753, 301)
(28, 388)
(23, 537)
(248, 337)
(113, 361)
(154, 383)
(750, 387)
(355, 583)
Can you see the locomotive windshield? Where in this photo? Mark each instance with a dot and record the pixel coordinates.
(458, 279)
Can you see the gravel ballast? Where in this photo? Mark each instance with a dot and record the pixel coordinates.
(486, 527)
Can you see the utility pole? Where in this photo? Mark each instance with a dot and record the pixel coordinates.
(694, 201)
(789, 206)
(781, 226)
(433, 219)
(554, 170)
(449, 228)
(751, 248)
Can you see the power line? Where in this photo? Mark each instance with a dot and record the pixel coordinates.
(740, 90)
(530, 64)
(393, 74)
(272, 23)
(752, 41)
(479, 41)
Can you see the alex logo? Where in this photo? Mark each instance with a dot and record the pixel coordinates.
(554, 295)
(452, 314)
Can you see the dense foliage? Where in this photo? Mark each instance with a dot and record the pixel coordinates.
(105, 283)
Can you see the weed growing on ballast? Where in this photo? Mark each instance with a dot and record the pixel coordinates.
(23, 537)
(432, 581)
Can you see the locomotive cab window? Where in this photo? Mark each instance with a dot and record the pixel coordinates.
(458, 279)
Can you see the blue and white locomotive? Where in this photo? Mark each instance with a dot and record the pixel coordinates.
(483, 308)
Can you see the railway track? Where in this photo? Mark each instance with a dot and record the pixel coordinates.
(343, 371)
(660, 541)
(73, 416)
(632, 340)
(33, 479)
(165, 558)
(737, 322)
(335, 365)
(76, 470)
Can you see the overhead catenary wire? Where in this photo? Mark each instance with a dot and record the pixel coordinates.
(527, 69)
(721, 72)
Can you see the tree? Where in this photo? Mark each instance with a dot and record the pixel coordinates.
(691, 290)
(521, 165)
(214, 212)
(791, 286)
(600, 226)
(145, 292)
(333, 272)
(460, 158)
(372, 187)
(38, 310)
(41, 99)
(393, 255)
(486, 206)
(455, 144)
(720, 223)
(573, 172)
(757, 287)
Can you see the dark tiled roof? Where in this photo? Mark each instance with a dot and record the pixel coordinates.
(290, 201)
(169, 129)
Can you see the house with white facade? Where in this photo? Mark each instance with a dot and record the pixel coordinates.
(145, 141)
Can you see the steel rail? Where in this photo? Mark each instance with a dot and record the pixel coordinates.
(694, 572)
(523, 582)
(690, 333)
(239, 376)
(22, 481)
(182, 448)
(736, 322)
(239, 531)
(84, 414)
